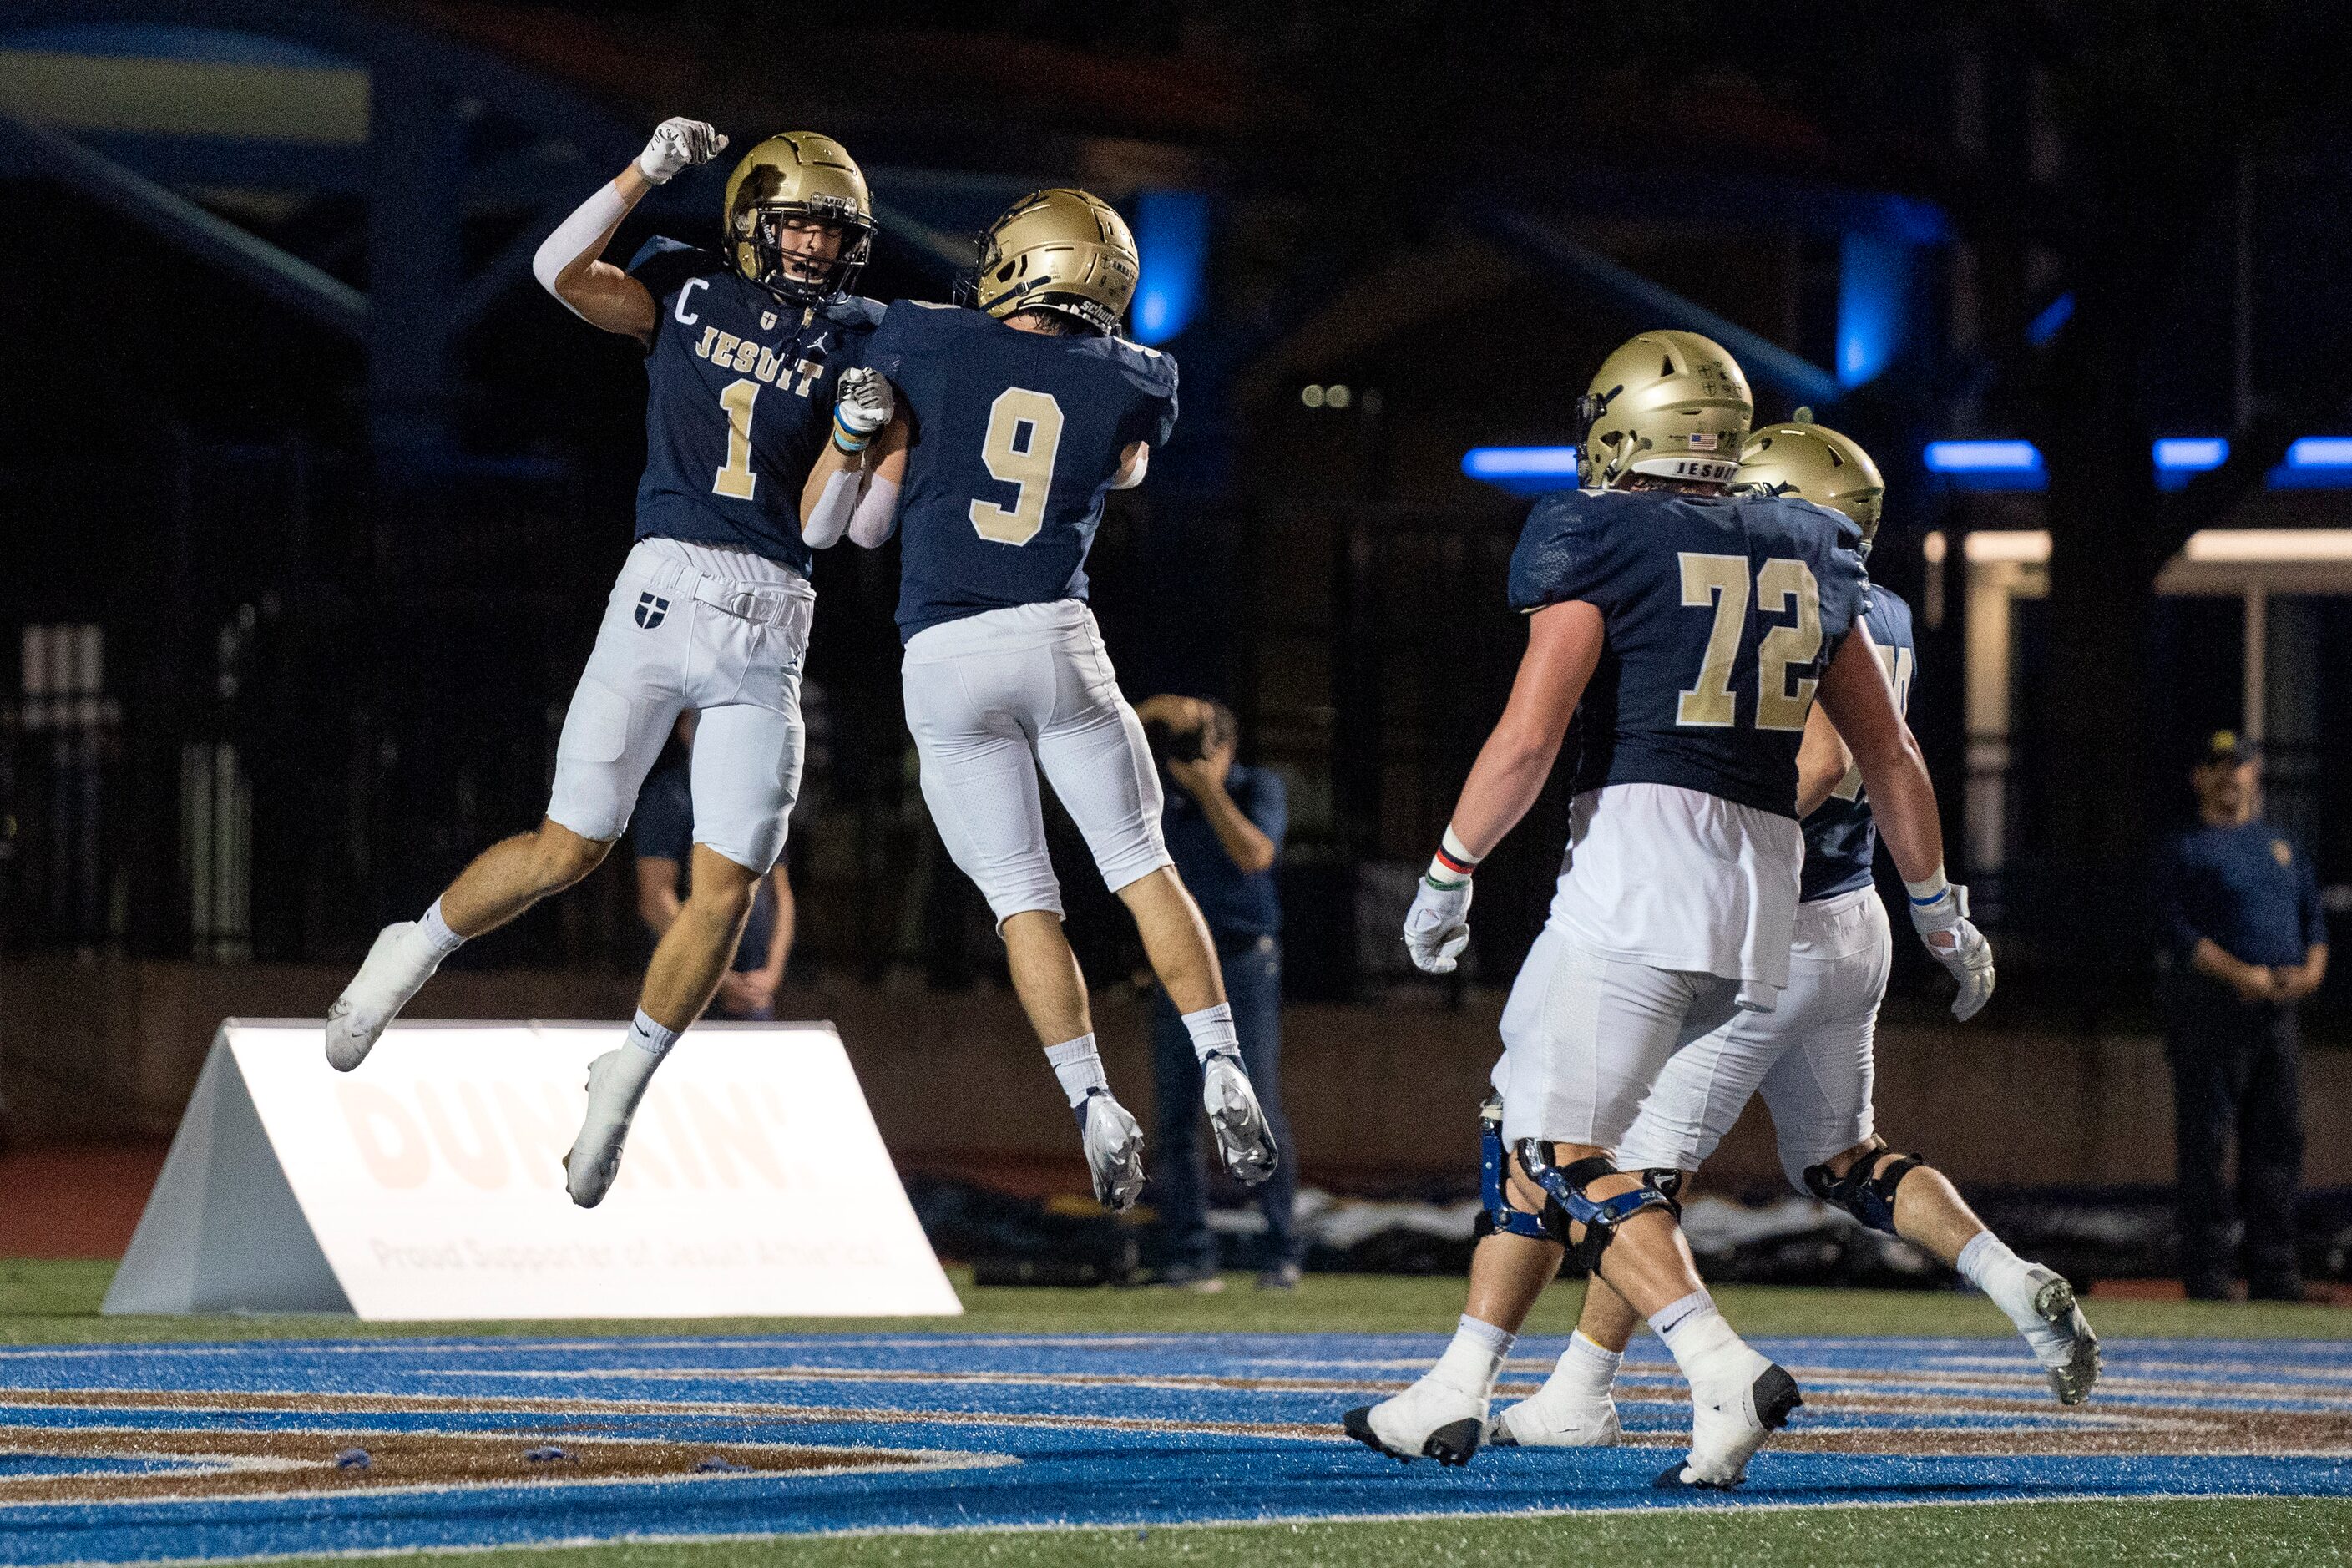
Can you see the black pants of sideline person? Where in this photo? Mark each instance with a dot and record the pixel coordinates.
(1179, 1176)
(2235, 1069)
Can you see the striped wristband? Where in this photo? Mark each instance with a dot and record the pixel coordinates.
(1930, 892)
(845, 438)
(1453, 865)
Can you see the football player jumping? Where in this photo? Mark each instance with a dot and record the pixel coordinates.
(1695, 626)
(1013, 420)
(711, 611)
(1810, 1057)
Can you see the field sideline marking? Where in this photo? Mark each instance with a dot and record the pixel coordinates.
(863, 1532)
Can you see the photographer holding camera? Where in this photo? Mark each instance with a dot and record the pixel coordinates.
(1223, 824)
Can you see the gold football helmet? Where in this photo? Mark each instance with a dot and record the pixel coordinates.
(797, 174)
(1667, 404)
(1814, 463)
(1058, 250)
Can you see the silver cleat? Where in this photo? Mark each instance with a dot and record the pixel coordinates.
(1113, 1146)
(596, 1157)
(2054, 1303)
(1244, 1139)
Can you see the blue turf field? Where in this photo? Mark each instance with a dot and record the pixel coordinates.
(231, 1447)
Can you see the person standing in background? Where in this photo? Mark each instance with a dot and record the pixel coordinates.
(2244, 942)
(1223, 824)
(662, 831)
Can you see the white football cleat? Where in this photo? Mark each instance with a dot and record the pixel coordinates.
(2061, 1337)
(397, 969)
(1436, 1418)
(1555, 1421)
(1113, 1140)
(596, 1157)
(1740, 1402)
(1244, 1139)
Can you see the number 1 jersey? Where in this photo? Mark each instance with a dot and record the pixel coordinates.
(1721, 613)
(1016, 438)
(738, 401)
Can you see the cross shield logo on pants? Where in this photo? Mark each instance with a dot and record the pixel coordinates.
(650, 610)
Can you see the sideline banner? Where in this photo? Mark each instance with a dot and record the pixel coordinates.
(429, 1184)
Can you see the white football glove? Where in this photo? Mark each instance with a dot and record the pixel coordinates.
(1437, 927)
(678, 144)
(1964, 951)
(863, 403)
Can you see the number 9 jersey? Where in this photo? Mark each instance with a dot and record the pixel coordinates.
(1014, 438)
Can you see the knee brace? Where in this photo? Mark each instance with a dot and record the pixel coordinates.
(1566, 1202)
(1870, 1199)
(1497, 1214)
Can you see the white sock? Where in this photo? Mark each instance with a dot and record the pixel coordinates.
(1476, 1355)
(1587, 1371)
(1987, 1263)
(648, 1043)
(436, 932)
(1079, 1067)
(1211, 1029)
(1696, 1334)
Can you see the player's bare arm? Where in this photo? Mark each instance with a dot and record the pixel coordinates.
(1564, 644)
(570, 264)
(1855, 696)
(1822, 762)
(1855, 691)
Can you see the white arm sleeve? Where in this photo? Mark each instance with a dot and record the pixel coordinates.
(582, 234)
(829, 519)
(876, 514)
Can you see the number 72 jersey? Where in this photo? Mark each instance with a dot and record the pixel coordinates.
(1721, 613)
(1016, 438)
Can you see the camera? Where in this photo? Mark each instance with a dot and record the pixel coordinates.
(1170, 744)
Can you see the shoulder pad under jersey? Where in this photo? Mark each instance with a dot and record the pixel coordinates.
(1564, 550)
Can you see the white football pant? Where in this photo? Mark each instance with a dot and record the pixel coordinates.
(1810, 1058)
(697, 627)
(993, 698)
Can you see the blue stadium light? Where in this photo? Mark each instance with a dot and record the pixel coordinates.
(1172, 230)
(2179, 457)
(2050, 321)
(1523, 471)
(1988, 465)
(2321, 452)
(2316, 463)
(1873, 281)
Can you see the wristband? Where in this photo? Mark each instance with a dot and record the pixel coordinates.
(845, 438)
(1929, 891)
(1453, 865)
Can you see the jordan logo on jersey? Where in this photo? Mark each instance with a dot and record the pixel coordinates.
(650, 610)
(742, 356)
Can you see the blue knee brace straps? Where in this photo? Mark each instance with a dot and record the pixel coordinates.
(1567, 1202)
(1499, 1214)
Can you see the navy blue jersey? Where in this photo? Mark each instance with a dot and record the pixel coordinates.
(1841, 835)
(738, 401)
(1721, 613)
(1017, 437)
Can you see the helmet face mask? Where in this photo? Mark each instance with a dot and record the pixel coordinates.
(1060, 250)
(1816, 463)
(1668, 405)
(798, 177)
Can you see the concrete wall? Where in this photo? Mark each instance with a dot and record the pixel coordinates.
(955, 1081)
